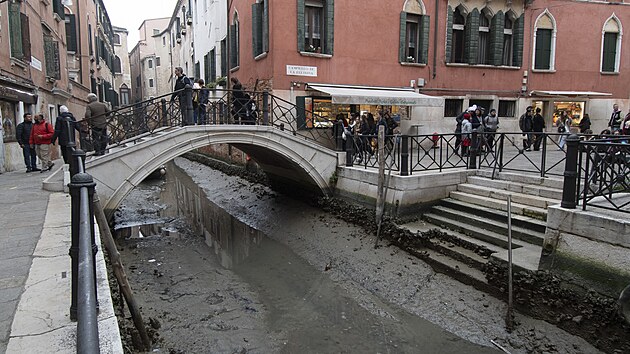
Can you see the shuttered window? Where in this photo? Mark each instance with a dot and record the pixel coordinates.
(15, 30)
(206, 68)
(496, 39)
(414, 38)
(234, 45)
(471, 37)
(542, 56)
(197, 70)
(483, 55)
(260, 28)
(26, 38)
(58, 9)
(51, 54)
(315, 20)
(609, 55)
(456, 48)
(518, 38)
(223, 57)
(213, 65)
(71, 33)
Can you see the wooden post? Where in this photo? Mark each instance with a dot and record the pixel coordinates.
(380, 205)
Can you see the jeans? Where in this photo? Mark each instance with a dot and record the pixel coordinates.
(30, 157)
(99, 140)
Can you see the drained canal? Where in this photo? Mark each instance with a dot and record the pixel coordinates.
(222, 265)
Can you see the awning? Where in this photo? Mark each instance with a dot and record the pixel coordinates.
(388, 96)
(584, 94)
(14, 94)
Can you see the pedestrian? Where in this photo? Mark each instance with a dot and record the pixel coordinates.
(202, 102)
(585, 124)
(525, 123)
(239, 101)
(467, 130)
(626, 124)
(491, 121)
(178, 92)
(96, 116)
(41, 138)
(615, 119)
(65, 121)
(23, 133)
(564, 128)
(538, 126)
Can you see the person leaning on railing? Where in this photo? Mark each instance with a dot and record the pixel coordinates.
(96, 116)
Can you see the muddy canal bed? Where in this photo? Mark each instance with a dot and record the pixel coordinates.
(252, 271)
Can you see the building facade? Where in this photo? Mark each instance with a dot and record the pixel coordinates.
(122, 70)
(146, 59)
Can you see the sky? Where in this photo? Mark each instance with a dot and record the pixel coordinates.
(129, 14)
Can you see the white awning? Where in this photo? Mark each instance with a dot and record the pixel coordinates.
(569, 94)
(388, 96)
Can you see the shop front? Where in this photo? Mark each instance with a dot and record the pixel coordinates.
(14, 102)
(554, 103)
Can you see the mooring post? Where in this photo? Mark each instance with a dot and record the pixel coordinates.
(404, 156)
(569, 187)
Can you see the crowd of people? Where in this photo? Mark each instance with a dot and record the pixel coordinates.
(364, 128)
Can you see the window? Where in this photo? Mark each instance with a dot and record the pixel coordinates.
(19, 33)
(611, 45)
(58, 9)
(545, 42)
(213, 65)
(163, 41)
(455, 52)
(51, 55)
(223, 57)
(197, 71)
(315, 26)
(453, 107)
(8, 113)
(124, 95)
(150, 82)
(156, 31)
(483, 55)
(90, 40)
(234, 43)
(260, 27)
(486, 104)
(137, 82)
(414, 34)
(71, 33)
(506, 108)
(508, 25)
(157, 61)
(117, 65)
(150, 63)
(116, 38)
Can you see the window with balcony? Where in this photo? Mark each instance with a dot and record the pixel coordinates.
(315, 26)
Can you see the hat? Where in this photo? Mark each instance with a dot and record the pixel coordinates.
(466, 116)
(529, 108)
(472, 108)
(63, 109)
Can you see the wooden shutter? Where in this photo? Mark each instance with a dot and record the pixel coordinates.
(329, 26)
(213, 65)
(423, 47)
(518, 38)
(265, 26)
(609, 55)
(233, 47)
(543, 49)
(26, 38)
(496, 38)
(224, 57)
(471, 37)
(206, 68)
(257, 13)
(449, 34)
(197, 70)
(402, 41)
(300, 25)
(71, 33)
(15, 30)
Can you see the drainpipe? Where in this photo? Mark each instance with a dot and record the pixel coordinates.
(79, 51)
(435, 37)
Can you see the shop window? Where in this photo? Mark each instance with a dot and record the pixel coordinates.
(545, 42)
(507, 109)
(7, 116)
(234, 43)
(453, 107)
(315, 26)
(611, 45)
(260, 27)
(414, 34)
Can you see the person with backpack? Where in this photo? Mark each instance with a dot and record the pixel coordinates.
(178, 92)
(61, 132)
(525, 123)
(23, 133)
(41, 138)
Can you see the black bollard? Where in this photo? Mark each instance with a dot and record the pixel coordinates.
(188, 111)
(265, 104)
(404, 156)
(164, 112)
(349, 149)
(569, 187)
(472, 151)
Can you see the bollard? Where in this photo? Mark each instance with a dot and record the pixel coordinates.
(472, 152)
(569, 187)
(77, 163)
(404, 156)
(188, 111)
(79, 180)
(265, 104)
(164, 112)
(349, 149)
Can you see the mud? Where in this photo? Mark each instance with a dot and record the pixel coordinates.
(197, 304)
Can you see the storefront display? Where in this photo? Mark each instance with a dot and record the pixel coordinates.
(575, 110)
(8, 118)
(322, 113)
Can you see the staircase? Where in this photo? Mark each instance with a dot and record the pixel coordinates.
(475, 222)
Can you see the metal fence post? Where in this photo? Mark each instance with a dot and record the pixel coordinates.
(349, 149)
(265, 104)
(77, 164)
(188, 111)
(404, 156)
(570, 173)
(164, 112)
(472, 152)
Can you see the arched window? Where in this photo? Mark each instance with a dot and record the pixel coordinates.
(260, 24)
(458, 43)
(483, 56)
(545, 42)
(315, 26)
(414, 33)
(235, 42)
(611, 45)
(117, 65)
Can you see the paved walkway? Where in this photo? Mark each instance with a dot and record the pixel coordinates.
(35, 272)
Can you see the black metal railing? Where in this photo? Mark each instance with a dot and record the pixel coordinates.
(84, 301)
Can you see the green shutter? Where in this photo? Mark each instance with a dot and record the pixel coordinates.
(206, 69)
(300, 25)
(402, 41)
(423, 47)
(300, 106)
(213, 65)
(257, 29)
(224, 61)
(543, 49)
(610, 52)
(71, 33)
(449, 34)
(518, 36)
(15, 30)
(330, 27)
(496, 38)
(26, 38)
(265, 26)
(471, 37)
(233, 47)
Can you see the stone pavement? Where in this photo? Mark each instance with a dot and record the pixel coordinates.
(35, 271)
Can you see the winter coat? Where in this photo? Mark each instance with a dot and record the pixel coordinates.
(23, 132)
(41, 134)
(491, 123)
(96, 114)
(180, 84)
(585, 124)
(467, 129)
(61, 128)
(525, 123)
(538, 123)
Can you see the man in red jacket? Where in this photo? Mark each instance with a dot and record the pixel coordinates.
(41, 137)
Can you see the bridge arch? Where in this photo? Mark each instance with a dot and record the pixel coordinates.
(282, 154)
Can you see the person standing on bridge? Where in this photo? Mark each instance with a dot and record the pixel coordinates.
(178, 92)
(64, 122)
(96, 117)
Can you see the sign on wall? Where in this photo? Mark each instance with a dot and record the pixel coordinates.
(298, 70)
